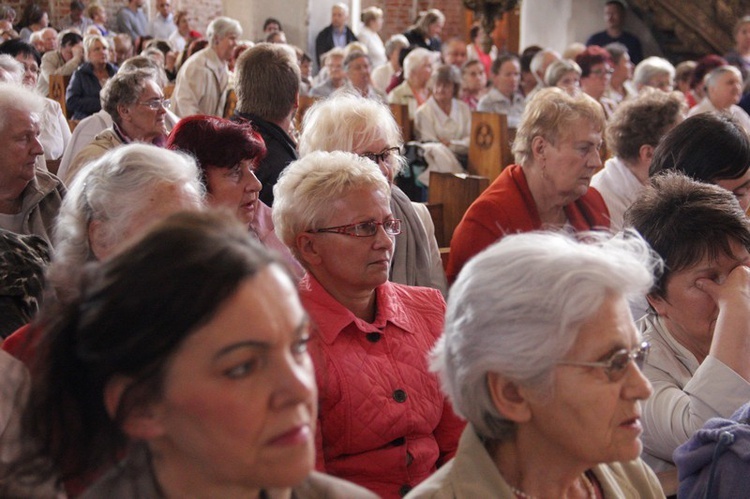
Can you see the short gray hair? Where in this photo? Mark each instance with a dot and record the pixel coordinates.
(341, 6)
(144, 62)
(519, 320)
(12, 68)
(651, 67)
(395, 42)
(88, 43)
(125, 88)
(713, 77)
(15, 97)
(558, 69)
(112, 188)
(414, 59)
(222, 27)
(346, 121)
(308, 188)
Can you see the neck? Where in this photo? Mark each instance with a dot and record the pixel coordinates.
(549, 204)
(445, 106)
(617, 82)
(528, 463)
(614, 32)
(11, 206)
(698, 348)
(639, 169)
(362, 303)
(178, 476)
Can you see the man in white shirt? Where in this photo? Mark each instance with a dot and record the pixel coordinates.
(162, 25)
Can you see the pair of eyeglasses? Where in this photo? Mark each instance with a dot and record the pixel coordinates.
(617, 364)
(364, 229)
(156, 104)
(381, 156)
(600, 72)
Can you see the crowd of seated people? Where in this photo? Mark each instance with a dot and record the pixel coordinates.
(587, 318)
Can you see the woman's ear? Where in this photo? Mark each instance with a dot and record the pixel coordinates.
(659, 304)
(537, 146)
(307, 249)
(142, 422)
(509, 399)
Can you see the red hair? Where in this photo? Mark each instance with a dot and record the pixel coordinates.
(592, 56)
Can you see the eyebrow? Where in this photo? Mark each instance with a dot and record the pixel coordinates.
(262, 345)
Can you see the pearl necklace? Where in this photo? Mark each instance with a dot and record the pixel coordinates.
(590, 492)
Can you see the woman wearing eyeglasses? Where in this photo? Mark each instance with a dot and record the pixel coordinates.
(542, 359)
(596, 73)
(136, 103)
(382, 422)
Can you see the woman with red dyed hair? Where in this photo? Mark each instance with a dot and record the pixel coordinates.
(227, 154)
(596, 73)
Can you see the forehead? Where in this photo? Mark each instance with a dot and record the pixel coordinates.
(20, 121)
(721, 261)
(580, 130)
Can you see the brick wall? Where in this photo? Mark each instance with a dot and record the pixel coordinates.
(399, 15)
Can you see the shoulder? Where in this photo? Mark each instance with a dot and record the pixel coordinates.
(628, 479)
(322, 485)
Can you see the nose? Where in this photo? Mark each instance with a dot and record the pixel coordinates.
(253, 184)
(637, 386)
(294, 383)
(382, 240)
(36, 147)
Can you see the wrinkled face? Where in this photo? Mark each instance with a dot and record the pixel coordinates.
(613, 16)
(225, 47)
(164, 7)
(742, 38)
(49, 38)
(571, 163)
(141, 121)
(335, 65)
(359, 72)
(379, 145)
(596, 82)
(570, 82)
(589, 418)
(338, 18)
(237, 188)
(474, 78)
(623, 69)
(726, 90)
(455, 54)
(421, 74)
(239, 396)
(19, 143)
(508, 78)
(662, 81)
(30, 69)
(740, 187)
(689, 313)
(98, 53)
(355, 264)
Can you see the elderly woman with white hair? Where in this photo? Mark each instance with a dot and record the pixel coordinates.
(111, 201)
(543, 360)
(565, 74)
(82, 95)
(654, 72)
(135, 102)
(381, 75)
(202, 83)
(723, 92)
(382, 421)
(413, 91)
(347, 122)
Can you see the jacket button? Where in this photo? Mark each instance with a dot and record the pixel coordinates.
(404, 490)
(399, 396)
(373, 337)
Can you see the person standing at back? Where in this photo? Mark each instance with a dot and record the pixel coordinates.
(336, 34)
(614, 17)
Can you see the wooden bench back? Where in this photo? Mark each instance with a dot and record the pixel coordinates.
(490, 144)
(455, 192)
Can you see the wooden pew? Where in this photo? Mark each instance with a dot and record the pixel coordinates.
(401, 114)
(305, 102)
(57, 86)
(168, 90)
(436, 213)
(490, 144)
(455, 192)
(230, 104)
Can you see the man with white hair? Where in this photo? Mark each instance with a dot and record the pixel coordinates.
(202, 82)
(29, 197)
(337, 34)
(654, 72)
(723, 92)
(539, 64)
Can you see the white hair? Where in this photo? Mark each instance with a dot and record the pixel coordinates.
(18, 98)
(517, 307)
(415, 58)
(650, 68)
(112, 188)
(538, 61)
(713, 77)
(88, 43)
(341, 6)
(308, 188)
(221, 27)
(11, 70)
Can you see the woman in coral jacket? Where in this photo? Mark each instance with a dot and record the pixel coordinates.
(383, 422)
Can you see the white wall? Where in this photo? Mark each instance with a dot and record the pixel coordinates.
(251, 14)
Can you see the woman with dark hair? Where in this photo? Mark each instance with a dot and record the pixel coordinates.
(709, 148)
(33, 19)
(227, 154)
(596, 73)
(200, 401)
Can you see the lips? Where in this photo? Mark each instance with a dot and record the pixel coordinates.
(297, 435)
